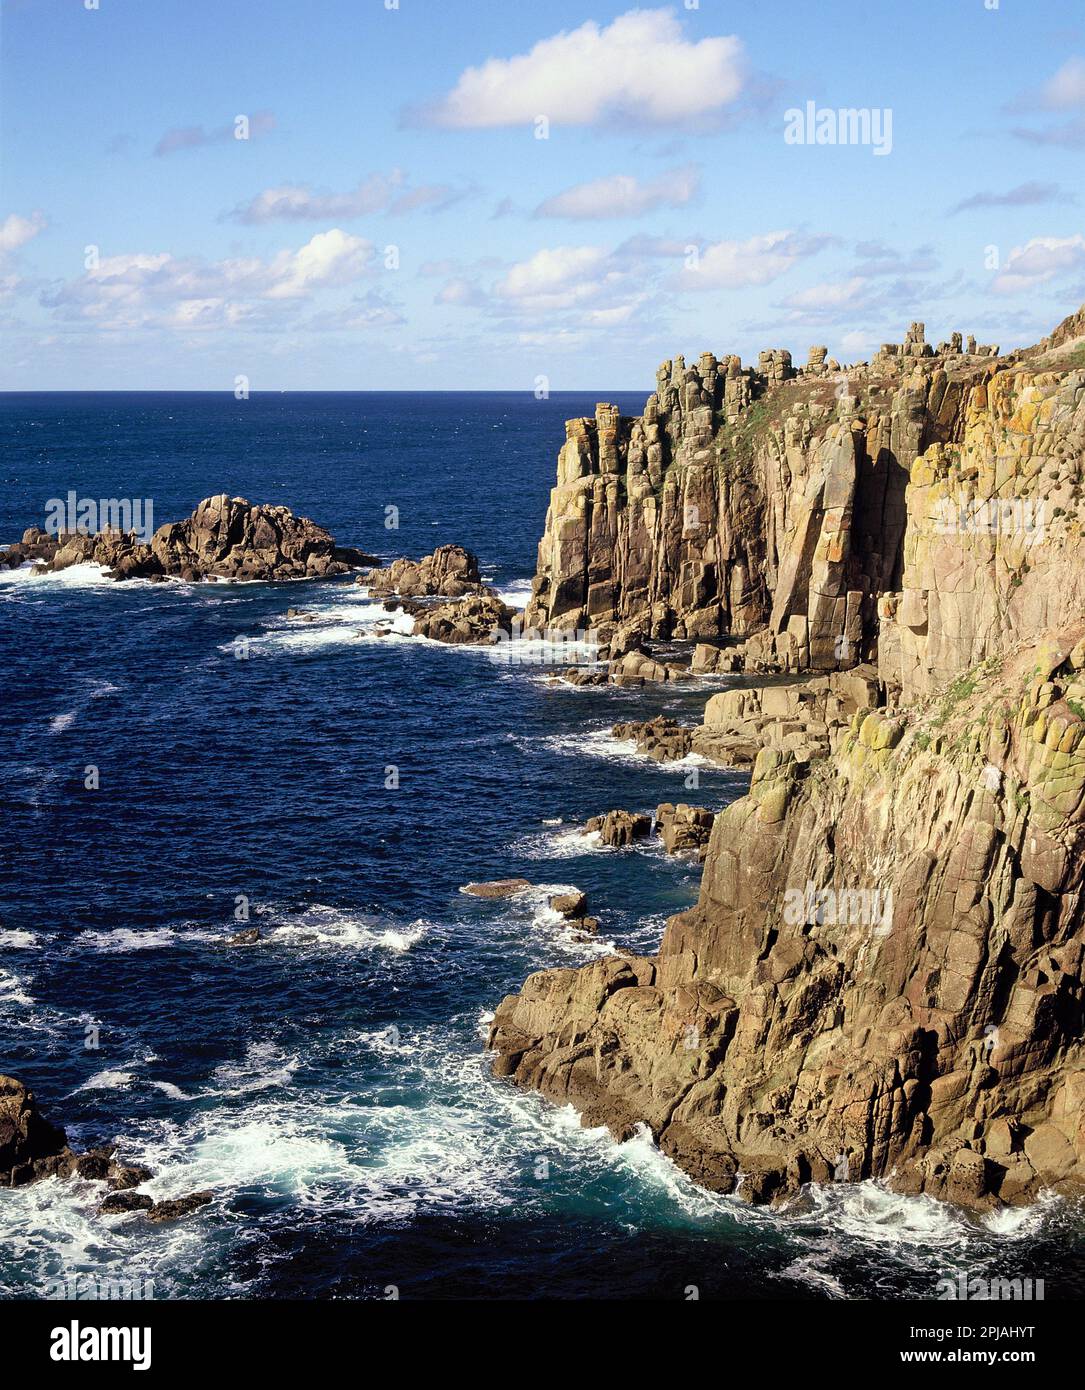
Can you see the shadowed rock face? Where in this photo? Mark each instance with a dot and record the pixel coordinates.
(883, 974)
(224, 538)
(28, 1142)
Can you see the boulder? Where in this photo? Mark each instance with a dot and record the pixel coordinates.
(496, 888)
(450, 572)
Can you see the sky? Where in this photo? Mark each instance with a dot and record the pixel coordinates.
(480, 194)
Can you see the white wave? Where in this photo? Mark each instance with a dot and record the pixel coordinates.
(321, 925)
(532, 652)
(85, 576)
(51, 1234)
(558, 930)
(125, 939)
(517, 593)
(60, 722)
(871, 1213)
(12, 991)
(601, 743)
(566, 844)
(169, 1089)
(263, 1067)
(106, 1081)
(807, 1270)
(15, 940)
(1015, 1223)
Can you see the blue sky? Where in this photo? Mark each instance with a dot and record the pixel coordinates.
(393, 221)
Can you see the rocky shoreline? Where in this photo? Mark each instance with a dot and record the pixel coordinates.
(883, 974)
(32, 1149)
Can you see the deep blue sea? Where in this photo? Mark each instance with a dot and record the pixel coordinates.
(329, 1084)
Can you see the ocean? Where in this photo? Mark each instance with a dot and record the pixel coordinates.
(337, 788)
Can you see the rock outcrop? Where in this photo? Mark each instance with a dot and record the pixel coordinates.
(882, 976)
(884, 973)
(224, 538)
(32, 1148)
(479, 620)
(450, 572)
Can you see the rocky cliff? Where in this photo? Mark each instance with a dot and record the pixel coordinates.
(773, 501)
(882, 976)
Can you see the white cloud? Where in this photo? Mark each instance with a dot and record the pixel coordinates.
(829, 295)
(756, 261)
(293, 202)
(1066, 90)
(157, 289)
(1038, 261)
(552, 273)
(16, 231)
(623, 195)
(459, 291)
(296, 202)
(640, 68)
(330, 258)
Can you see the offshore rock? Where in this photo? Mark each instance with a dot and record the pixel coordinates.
(224, 538)
(467, 621)
(450, 572)
(30, 1147)
(620, 828)
(496, 888)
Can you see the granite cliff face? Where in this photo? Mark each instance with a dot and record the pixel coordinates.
(882, 976)
(769, 500)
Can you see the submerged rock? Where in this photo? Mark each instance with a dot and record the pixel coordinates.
(177, 1207)
(248, 936)
(496, 888)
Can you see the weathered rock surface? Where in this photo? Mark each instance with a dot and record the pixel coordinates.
(770, 505)
(450, 572)
(620, 828)
(479, 620)
(684, 829)
(31, 1148)
(224, 538)
(923, 1025)
(662, 739)
(496, 888)
(883, 974)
